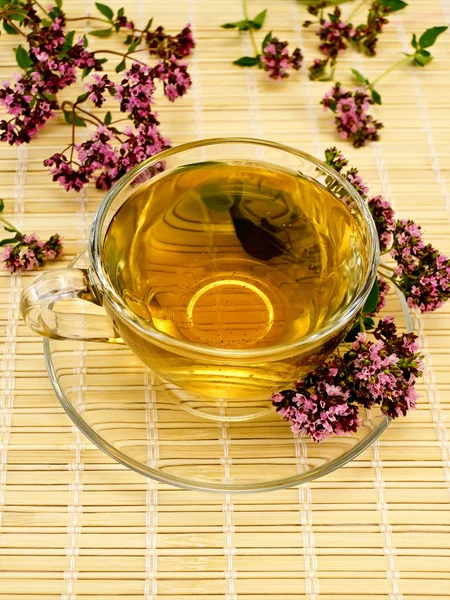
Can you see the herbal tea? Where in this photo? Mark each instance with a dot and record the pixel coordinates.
(234, 255)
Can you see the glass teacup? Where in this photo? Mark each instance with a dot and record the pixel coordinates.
(230, 267)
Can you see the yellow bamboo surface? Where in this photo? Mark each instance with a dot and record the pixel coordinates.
(74, 525)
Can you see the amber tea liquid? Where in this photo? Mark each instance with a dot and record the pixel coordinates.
(233, 255)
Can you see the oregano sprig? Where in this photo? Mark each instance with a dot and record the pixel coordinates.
(351, 108)
(336, 34)
(52, 59)
(24, 252)
(272, 55)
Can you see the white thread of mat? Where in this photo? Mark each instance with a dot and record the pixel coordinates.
(195, 76)
(9, 352)
(421, 105)
(151, 496)
(306, 84)
(227, 507)
(251, 80)
(151, 420)
(76, 508)
(442, 433)
(301, 453)
(390, 551)
(312, 588)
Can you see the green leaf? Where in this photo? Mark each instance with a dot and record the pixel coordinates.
(59, 3)
(17, 16)
(23, 59)
(215, 200)
(85, 41)
(69, 117)
(393, 5)
(149, 24)
(359, 77)
(258, 21)
(121, 12)
(85, 72)
(68, 41)
(429, 37)
(369, 323)
(82, 97)
(55, 12)
(105, 10)
(266, 40)
(102, 61)
(351, 335)
(2, 205)
(134, 44)
(9, 29)
(121, 66)
(414, 41)
(372, 299)
(111, 90)
(246, 61)
(422, 58)
(108, 118)
(102, 32)
(375, 96)
(9, 241)
(243, 25)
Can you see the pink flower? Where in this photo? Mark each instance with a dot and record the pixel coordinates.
(276, 60)
(352, 119)
(175, 77)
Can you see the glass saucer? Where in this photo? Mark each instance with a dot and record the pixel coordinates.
(129, 413)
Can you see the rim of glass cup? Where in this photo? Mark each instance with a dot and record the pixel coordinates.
(172, 343)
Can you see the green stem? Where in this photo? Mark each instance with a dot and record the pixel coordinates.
(123, 55)
(8, 224)
(394, 66)
(386, 267)
(252, 35)
(89, 19)
(355, 10)
(11, 23)
(361, 324)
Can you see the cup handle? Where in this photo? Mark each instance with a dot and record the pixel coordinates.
(40, 314)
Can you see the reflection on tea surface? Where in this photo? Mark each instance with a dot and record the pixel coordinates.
(234, 255)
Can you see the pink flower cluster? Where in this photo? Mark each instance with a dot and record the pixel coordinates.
(385, 370)
(384, 217)
(135, 92)
(28, 106)
(382, 371)
(110, 153)
(174, 76)
(319, 412)
(164, 46)
(103, 162)
(30, 100)
(422, 272)
(276, 59)
(334, 34)
(352, 120)
(30, 252)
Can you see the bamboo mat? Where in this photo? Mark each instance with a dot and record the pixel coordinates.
(75, 525)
